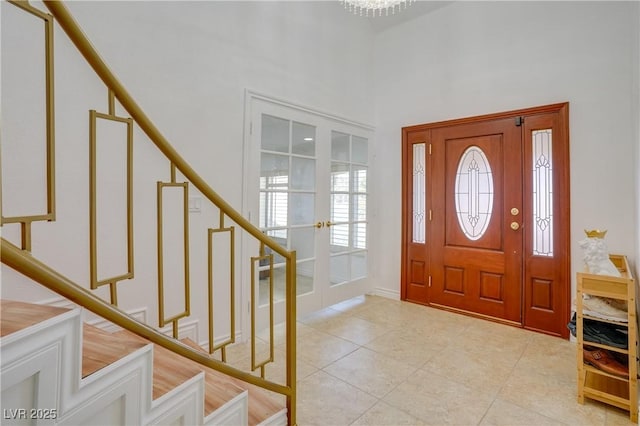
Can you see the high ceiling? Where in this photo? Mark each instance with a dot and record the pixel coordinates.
(416, 9)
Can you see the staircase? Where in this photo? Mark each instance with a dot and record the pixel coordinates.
(55, 367)
(120, 378)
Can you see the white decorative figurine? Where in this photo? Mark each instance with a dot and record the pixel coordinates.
(596, 254)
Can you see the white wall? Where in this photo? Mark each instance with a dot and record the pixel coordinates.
(188, 65)
(473, 58)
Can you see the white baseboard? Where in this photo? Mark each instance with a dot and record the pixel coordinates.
(139, 314)
(385, 292)
(58, 302)
(220, 339)
(186, 329)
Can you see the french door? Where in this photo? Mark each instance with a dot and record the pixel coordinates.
(485, 217)
(307, 184)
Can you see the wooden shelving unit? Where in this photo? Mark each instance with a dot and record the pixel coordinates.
(592, 382)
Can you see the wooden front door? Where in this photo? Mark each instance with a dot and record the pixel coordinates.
(485, 222)
(477, 259)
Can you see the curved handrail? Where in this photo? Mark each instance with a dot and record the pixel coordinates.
(24, 262)
(82, 43)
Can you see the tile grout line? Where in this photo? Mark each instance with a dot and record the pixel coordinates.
(378, 399)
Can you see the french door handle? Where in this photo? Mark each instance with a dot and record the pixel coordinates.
(321, 224)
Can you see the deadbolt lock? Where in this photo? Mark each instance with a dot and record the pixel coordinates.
(514, 211)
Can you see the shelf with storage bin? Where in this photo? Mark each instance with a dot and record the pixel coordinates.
(593, 383)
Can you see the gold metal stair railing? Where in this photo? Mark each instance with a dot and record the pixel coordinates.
(26, 221)
(21, 259)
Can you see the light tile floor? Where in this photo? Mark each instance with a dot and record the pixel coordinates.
(376, 361)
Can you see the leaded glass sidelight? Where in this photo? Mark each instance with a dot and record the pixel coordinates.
(474, 193)
(542, 192)
(419, 204)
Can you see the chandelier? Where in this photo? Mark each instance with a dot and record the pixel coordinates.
(371, 7)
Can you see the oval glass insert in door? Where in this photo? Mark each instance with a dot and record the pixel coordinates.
(474, 193)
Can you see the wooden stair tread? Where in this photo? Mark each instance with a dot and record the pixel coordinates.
(171, 369)
(101, 348)
(261, 404)
(17, 316)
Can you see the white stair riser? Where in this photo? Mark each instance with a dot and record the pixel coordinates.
(41, 377)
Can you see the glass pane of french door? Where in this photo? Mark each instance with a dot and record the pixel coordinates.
(287, 208)
(348, 215)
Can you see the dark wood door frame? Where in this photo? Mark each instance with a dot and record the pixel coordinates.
(543, 309)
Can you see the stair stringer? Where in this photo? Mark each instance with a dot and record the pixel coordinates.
(119, 393)
(278, 419)
(32, 363)
(234, 412)
(182, 405)
(41, 371)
